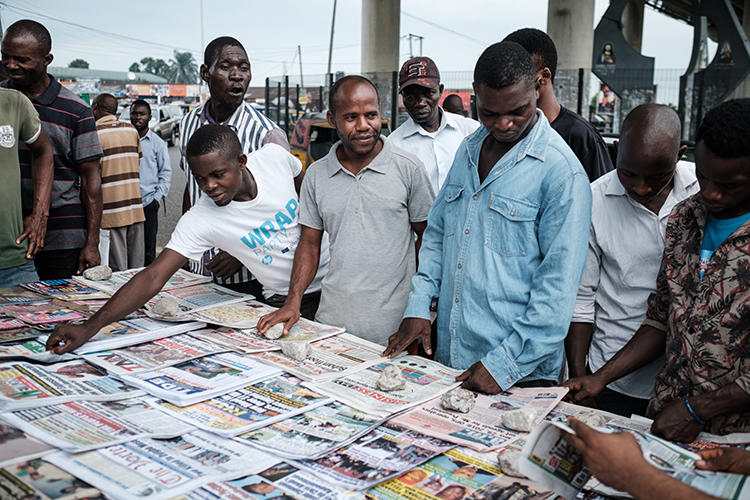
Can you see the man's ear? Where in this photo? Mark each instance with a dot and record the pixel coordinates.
(242, 159)
(441, 88)
(205, 73)
(329, 118)
(48, 59)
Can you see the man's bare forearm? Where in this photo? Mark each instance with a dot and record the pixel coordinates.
(91, 198)
(646, 345)
(723, 401)
(42, 174)
(577, 347)
(306, 261)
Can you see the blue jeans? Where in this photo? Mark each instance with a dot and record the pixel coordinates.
(19, 274)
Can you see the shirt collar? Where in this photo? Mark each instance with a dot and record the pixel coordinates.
(232, 121)
(684, 180)
(378, 164)
(446, 120)
(106, 119)
(47, 97)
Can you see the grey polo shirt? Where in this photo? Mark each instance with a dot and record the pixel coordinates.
(368, 218)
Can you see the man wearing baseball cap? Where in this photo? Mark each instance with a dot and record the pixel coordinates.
(430, 133)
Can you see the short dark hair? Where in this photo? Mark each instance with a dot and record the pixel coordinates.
(33, 28)
(348, 78)
(540, 47)
(141, 102)
(107, 103)
(725, 129)
(213, 48)
(213, 137)
(503, 64)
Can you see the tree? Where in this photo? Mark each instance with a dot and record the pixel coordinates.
(158, 67)
(183, 68)
(78, 63)
(135, 68)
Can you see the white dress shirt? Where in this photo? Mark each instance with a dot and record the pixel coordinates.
(435, 149)
(626, 243)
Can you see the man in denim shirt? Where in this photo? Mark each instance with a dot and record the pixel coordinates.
(506, 239)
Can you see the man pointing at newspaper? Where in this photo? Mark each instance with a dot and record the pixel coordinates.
(250, 211)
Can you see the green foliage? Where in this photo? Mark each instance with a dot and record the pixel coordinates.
(135, 68)
(78, 63)
(182, 68)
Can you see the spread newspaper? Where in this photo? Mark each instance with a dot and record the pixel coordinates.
(200, 379)
(25, 385)
(481, 429)
(151, 469)
(32, 349)
(248, 408)
(38, 480)
(179, 279)
(386, 452)
(246, 341)
(17, 333)
(17, 446)
(328, 359)
(86, 425)
(425, 380)
(314, 433)
(65, 289)
(17, 295)
(134, 331)
(151, 355)
(194, 298)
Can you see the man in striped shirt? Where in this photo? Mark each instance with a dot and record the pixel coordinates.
(122, 213)
(72, 239)
(226, 70)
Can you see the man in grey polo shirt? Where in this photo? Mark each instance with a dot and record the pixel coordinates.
(371, 198)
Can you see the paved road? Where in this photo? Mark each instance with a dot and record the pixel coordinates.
(174, 200)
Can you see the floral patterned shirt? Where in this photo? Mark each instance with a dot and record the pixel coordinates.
(707, 321)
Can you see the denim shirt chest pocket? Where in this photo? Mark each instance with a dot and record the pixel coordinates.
(451, 194)
(512, 226)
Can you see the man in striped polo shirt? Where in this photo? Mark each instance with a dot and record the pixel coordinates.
(122, 213)
(72, 239)
(226, 70)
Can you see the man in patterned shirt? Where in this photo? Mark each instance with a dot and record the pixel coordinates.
(699, 316)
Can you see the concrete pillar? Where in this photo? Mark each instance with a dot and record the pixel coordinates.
(632, 23)
(380, 35)
(743, 89)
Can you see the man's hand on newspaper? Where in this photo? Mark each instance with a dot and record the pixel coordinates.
(68, 337)
(478, 379)
(411, 329)
(676, 423)
(584, 389)
(288, 315)
(734, 460)
(615, 459)
(224, 265)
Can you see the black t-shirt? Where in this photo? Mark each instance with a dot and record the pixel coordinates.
(585, 142)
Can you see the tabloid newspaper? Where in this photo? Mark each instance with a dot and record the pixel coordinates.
(249, 341)
(551, 460)
(248, 408)
(10, 323)
(41, 314)
(151, 355)
(32, 349)
(26, 385)
(179, 279)
(314, 433)
(39, 480)
(66, 289)
(86, 425)
(134, 331)
(17, 295)
(329, 358)
(201, 378)
(151, 469)
(18, 333)
(386, 452)
(17, 446)
(481, 429)
(425, 380)
(563, 410)
(194, 298)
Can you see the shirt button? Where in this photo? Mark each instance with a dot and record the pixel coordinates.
(459, 265)
(466, 231)
(510, 380)
(456, 300)
(476, 196)
(513, 211)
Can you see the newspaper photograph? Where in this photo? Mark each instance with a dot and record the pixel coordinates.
(481, 429)
(38, 480)
(79, 426)
(386, 452)
(425, 380)
(509, 487)
(194, 298)
(201, 378)
(151, 469)
(248, 408)
(328, 359)
(25, 385)
(313, 433)
(17, 446)
(129, 332)
(247, 341)
(151, 355)
(179, 279)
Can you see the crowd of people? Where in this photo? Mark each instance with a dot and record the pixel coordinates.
(542, 261)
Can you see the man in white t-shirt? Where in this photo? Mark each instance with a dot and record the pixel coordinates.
(250, 210)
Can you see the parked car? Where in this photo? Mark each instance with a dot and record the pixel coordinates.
(165, 121)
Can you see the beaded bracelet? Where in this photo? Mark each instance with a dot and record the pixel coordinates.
(690, 409)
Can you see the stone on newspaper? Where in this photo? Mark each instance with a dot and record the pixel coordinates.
(458, 399)
(521, 420)
(275, 332)
(507, 461)
(592, 418)
(297, 350)
(165, 306)
(391, 379)
(98, 273)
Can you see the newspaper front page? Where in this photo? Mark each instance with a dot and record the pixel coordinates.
(26, 385)
(194, 298)
(17, 446)
(151, 355)
(134, 331)
(201, 378)
(32, 349)
(245, 341)
(314, 433)
(248, 408)
(386, 452)
(150, 469)
(481, 429)
(79, 426)
(179, 279)
(425, 380)
(38, 480)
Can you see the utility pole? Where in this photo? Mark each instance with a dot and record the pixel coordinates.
(203, 46)
(330, 43)
(299, 53)
(411, 37)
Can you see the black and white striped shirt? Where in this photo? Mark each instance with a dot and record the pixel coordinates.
(253, 130)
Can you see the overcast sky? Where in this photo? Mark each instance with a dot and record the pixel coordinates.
(271, 30)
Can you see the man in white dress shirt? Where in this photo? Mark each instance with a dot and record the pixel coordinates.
(430, 133)
(630, 208)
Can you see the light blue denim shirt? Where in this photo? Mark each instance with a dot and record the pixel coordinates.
(156, 168)
(505, 257)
